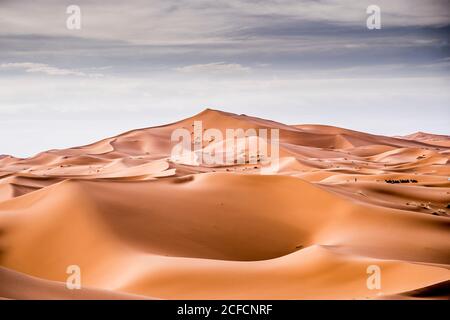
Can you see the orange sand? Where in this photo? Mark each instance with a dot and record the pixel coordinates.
(141, 226)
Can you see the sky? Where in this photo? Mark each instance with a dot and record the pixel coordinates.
(141, 63)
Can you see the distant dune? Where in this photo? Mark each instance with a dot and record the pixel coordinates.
(140, 225)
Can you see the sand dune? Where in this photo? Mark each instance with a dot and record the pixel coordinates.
(16, 285)
(434, 139)
(140, 225)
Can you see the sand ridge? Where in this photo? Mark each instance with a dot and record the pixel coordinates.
(142, 226)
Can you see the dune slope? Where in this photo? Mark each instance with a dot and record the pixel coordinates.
(140, 225)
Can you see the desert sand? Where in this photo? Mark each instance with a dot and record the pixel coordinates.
(141, 226)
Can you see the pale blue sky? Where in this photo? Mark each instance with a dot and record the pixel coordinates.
(141, 63)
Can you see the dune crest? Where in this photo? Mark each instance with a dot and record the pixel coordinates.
(140, 225)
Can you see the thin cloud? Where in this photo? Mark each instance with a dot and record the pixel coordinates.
(175, 21)
(215, 68)
(32, 67)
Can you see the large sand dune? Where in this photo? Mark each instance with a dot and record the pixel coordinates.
(142, 226)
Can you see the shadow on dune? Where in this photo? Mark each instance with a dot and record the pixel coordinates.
(437, 291)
